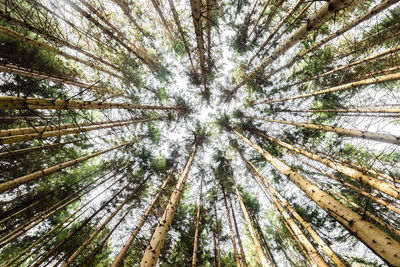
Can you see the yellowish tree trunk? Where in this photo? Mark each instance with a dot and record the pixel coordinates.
(153, 250)
(317, 19)
(276, 197)
(383, 245)
(196, 234)
(380, 185)
(36, 175)
(122, 253)
(238, 234)
(380, 137)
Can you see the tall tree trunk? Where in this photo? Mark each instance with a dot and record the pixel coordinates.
(36, 175)
(237, 234)
(79, 250)
(264, 242)
(196, 234)
(246, 216)
(153, 250)
(43, 237)
(14, 102)
(276, 197)
(58, 133)
(326, 12)
(383, 245)
(228, 216)
(40, 76)
(124, 250)
(389, 51)
(352, 85)
(380, 185)
(181, 32)
(218, 239)
(260, 16)
(277, 28)
(128, 13)
(157, 7)
(344, 110)
(77, 229)
(374, 11)
(380, 137)
(18, 152)
(47, 47)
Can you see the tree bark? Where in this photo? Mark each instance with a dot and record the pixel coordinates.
(384, 246)
(153, 250)
(196, 234)
(380, 185)
(276, 198)
(237, 234)
(36, 175)
(380, 137)
(122, 253)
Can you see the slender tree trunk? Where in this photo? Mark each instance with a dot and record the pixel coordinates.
(277, 28)
(380, 137)
(218, 239)
(77, 229)
(276, 197)
(157, 7)
(47, 47)
(53, 127)
(17, 152)
(387, 52)
(246, 215)
(153, 250)
(122, 253)
(36, 175)
(57, 40)
(369, 214)
(237, 234)
(347, 110)
(13, 102)
(43, 237)
(352, 85)
(196, 234)
(128, 13)
(235, 251)
(40, 75)
(267, 2)
(264, 242)
(374, 11)
(383, 245)
(181, 32)
(47, 134)
(315, 21)
(380, 185)
(105, 223)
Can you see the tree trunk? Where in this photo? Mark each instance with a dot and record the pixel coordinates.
(246, 216)
(383, 245)
(13, 102)
(36, 175)
(77, 229)
(58, 133)
(181, 32)
(105, 223)
(260, 16)
(128, 13)
(380, 137)
(277, 28)
(382, 6)
(40, 76)
(321, 16)
(156, 6)
(389, 51)
(47, 47)
(346, 110)
(43, 237)
(352, 85)
(196, 234)
(380, 185)
(237, 233)
(153, 250)
(228, 216)
(17, 152)
(276, 197)
(122, 253)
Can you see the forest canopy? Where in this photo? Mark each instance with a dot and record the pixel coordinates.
(199, 133)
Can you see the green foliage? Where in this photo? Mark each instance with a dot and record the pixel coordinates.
(154, 133)
(158, 164)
